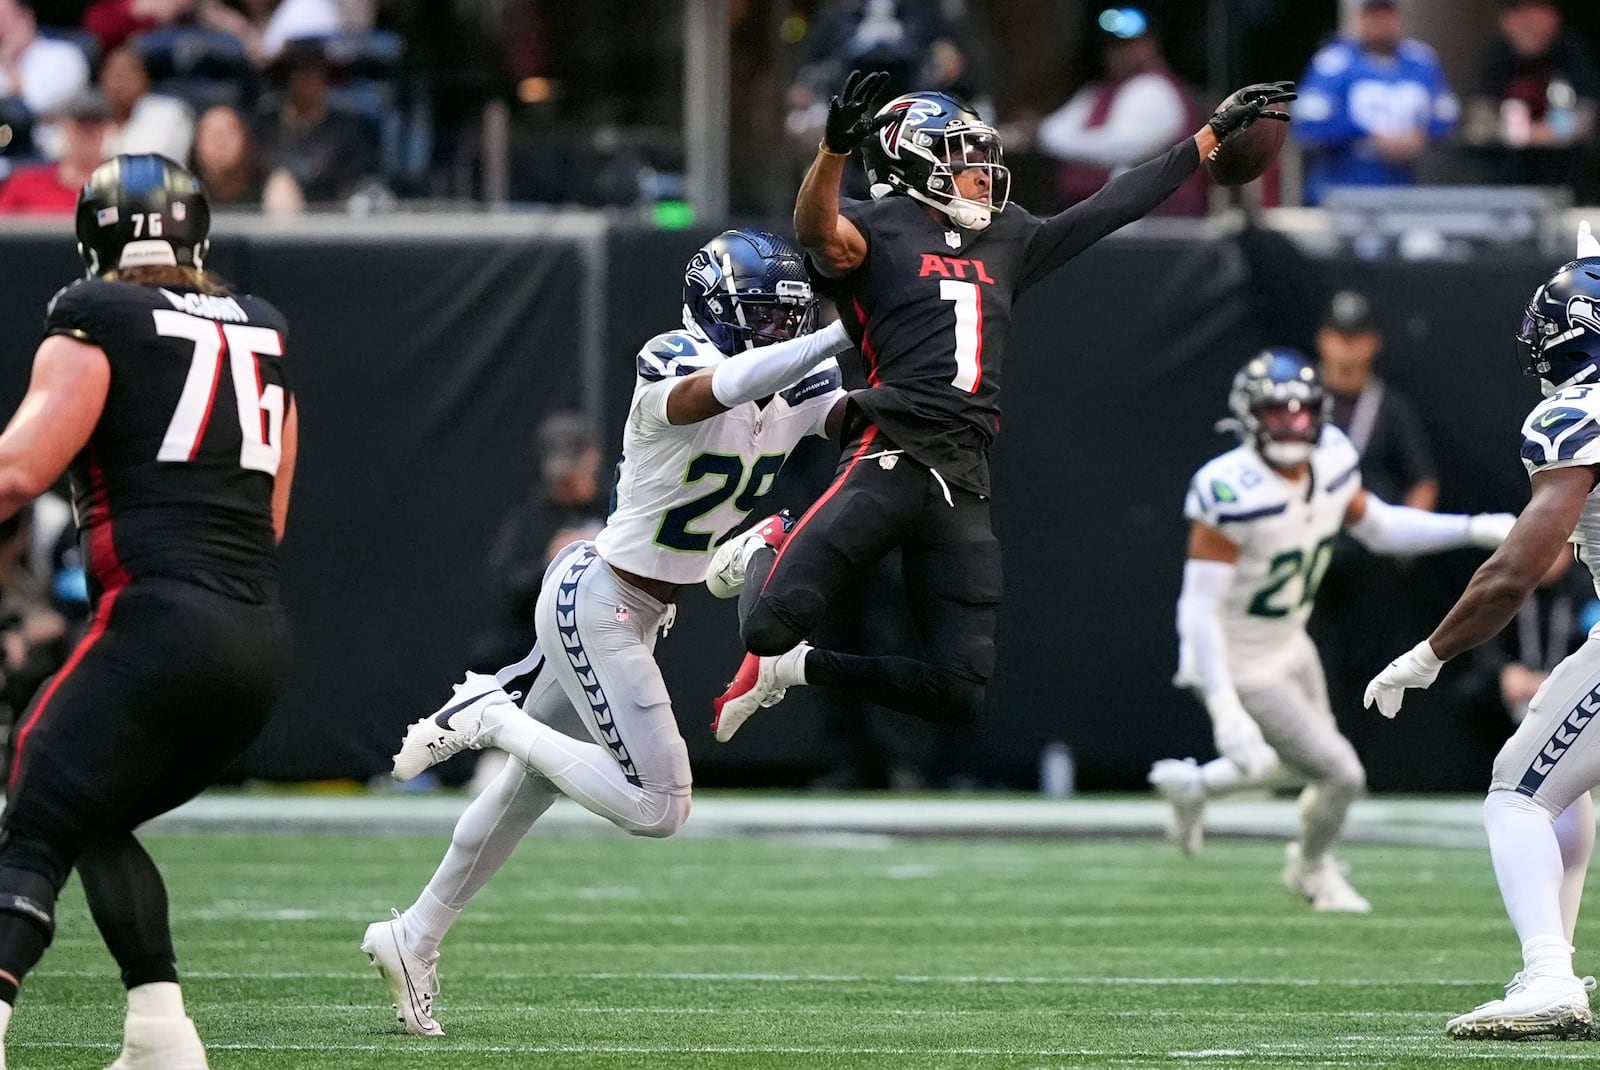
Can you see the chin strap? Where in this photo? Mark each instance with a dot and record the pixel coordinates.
(968, 215)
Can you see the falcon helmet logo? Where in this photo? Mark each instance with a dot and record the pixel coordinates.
(913, 113)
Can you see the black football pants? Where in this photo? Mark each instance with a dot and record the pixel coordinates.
(166, 690)
(879, 499)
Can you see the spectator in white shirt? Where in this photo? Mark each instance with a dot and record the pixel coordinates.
(1132, 114)
(42, 72)
(143, 121)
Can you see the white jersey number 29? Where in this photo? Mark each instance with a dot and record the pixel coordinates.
(260, 411)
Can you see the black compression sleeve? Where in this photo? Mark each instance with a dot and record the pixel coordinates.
(1122, 200)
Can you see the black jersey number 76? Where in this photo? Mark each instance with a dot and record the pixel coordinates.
(259, 410)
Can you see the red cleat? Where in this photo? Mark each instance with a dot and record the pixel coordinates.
(750, 691)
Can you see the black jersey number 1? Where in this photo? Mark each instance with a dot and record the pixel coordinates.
(969, 333)
(260, 410)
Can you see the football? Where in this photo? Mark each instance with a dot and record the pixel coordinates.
(1246, 155)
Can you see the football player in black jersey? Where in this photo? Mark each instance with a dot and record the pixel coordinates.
(163, 394)
(924, 276)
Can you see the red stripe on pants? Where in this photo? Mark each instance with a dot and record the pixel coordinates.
(102, 618)
(866, 443)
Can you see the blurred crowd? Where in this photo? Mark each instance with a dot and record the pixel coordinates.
(287, 104)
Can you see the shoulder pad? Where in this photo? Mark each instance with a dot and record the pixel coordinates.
(824, 379)
(1337, 458)
(675, 353)
(1563, 428)
(1233, 488)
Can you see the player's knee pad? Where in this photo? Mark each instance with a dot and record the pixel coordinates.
(667, 817)
(766, 633)
(29, 895)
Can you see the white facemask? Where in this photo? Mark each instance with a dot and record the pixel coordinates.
(1287, 454)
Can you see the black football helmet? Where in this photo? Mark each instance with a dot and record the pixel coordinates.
(1279, 403)
(1560, 336)
(748, 288)
(935, 137)
(142, 210)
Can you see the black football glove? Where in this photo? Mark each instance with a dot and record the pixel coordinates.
(1249, 104)
(851, 114)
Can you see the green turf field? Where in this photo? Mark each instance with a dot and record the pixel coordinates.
(852, 952)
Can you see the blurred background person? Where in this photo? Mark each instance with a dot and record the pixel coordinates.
(1370, 102)
(113, 22)
(43, 72)
(227, 160)
(328, 152)
(916, 43)
(1535, 96)
(566, 503)
(1368, 602)
(1396, 461)
(142, 121)
(52, 188)
(1133, 112)
(33, 634)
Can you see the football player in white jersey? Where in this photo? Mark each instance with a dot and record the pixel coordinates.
(1263, 520)
(717, 407)
(1539, 813)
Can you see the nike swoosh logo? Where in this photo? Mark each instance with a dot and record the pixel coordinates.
(442, 718)
(675, 345)
(1550, 419)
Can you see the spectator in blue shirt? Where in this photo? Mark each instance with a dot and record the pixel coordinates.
(1369, 104)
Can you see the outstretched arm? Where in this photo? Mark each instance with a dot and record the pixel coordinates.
(835, 244)
(1135, 192)
(753, 374)
(1500, 585)
(1397, 529)
(1504, 582)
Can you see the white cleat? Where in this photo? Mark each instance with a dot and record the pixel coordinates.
(412, 980)
(150, 1043)
(1323, 886)
(729, 564)
(1538, 1007)
(1180, 780)
(456, 726)
(761, 682)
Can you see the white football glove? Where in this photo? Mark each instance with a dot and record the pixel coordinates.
(1417, 667)
(1489, 530)
(1238, 737)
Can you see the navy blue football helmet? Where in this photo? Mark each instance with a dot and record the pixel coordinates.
(1280, 405)
(748, 288)
(1560, 336)
(142, 210)
(934, 137)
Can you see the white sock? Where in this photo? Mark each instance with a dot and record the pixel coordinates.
(1527, 865)
(1324, 805)
(586, 773)
(486, 834)
(1220, 776)
(791, 667)
(1575, 834)
(159, 999)
(5, 1020)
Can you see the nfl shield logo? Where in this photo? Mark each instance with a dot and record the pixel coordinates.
(179, 211)
(952, 239)
(106, 216)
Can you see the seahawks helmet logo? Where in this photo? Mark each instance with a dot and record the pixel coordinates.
(702, 272)
(1582, 310)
